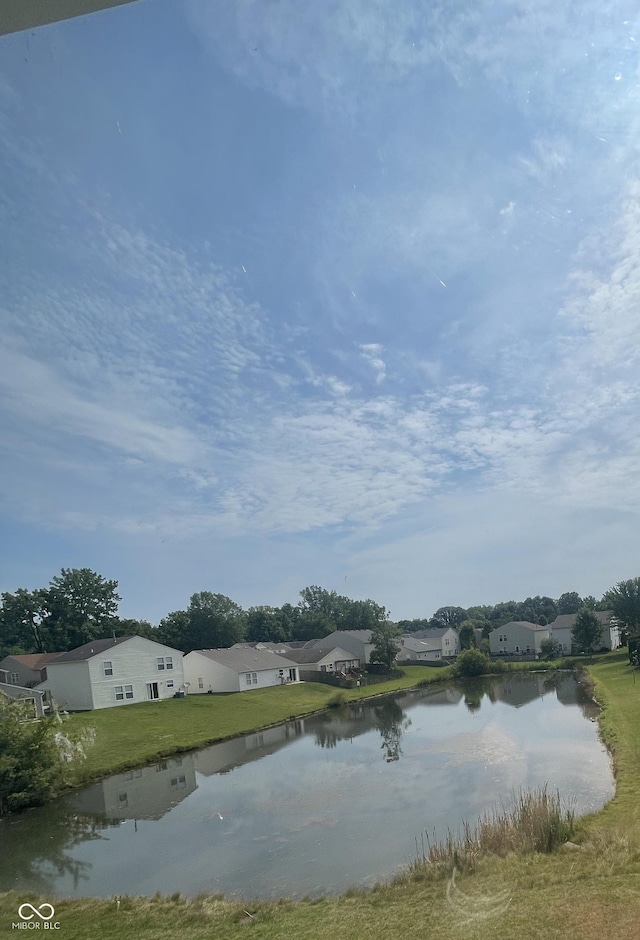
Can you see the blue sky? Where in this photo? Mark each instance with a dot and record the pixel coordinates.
(340, 293)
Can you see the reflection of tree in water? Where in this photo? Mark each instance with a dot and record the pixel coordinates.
(35, 846)
(475, 689)
(391, 721)
(325, 737)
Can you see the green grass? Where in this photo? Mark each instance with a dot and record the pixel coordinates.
(130, 736)
(587, 893)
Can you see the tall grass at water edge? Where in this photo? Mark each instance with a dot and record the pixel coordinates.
(536, 822)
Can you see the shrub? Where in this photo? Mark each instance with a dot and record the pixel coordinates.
(472, 663)
(536, 822)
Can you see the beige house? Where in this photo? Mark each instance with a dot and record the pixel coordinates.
(562, 627)
(518, 637)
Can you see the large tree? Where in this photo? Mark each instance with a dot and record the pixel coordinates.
(215, 621)
(79, 605)
(448, 617)
(384, 638)
(586, 636)
(569, 603)
(624, 601)
(82, 606)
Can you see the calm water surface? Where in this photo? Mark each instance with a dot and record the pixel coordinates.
(313, 806)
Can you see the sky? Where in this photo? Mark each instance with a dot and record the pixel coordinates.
(341, 293)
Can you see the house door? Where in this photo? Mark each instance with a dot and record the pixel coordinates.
(152, 690)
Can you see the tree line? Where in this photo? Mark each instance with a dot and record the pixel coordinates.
(80, 605)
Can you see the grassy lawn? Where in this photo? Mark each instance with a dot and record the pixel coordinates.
(137, 734)
(587, 893)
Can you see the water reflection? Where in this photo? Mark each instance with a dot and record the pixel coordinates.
(274, 812)
(392, 721)
(39, 856)
(147, 793)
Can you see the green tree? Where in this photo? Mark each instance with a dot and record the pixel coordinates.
(23, 618)
(467, 634)
(82, 606)
(569, 603)
(215, 621)
(31, 766)
(385, 646)
(131, 627)
(586, 635)
(174, 630)
(550, 649)
(265, 624)
(448, 617)
(624, 601)
(472, 663)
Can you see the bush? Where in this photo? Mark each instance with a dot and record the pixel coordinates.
(472, 663)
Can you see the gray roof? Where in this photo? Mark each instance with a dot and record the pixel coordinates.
(523, 623)
(246, 659)
(93, 648)
(420, 646)
(33, 661)
(315, 655)
(566, 621)
(431, 633)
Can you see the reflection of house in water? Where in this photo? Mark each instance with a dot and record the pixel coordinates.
(224, 757)
(570, 692)
(519, 691)
(447, 696)
(147, 793)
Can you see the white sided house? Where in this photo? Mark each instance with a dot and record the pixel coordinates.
(447, 637)
(236, 670)
(335, 661)
(419, 651)
(110, 672)
(562, 628)
(518, 637)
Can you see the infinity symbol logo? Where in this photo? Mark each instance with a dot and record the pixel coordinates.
(38, 911)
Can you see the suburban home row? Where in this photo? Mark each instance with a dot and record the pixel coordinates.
(519, 637)
(116, 671)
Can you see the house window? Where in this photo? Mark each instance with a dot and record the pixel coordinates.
(252, 678)
(169, 683)
(179, 783)
(14, 678)
(123, 800)
(160, 663)
(446, 642)
(200, 682)
(119, 690)
(168, 662)
(108, 668)
(128, 691)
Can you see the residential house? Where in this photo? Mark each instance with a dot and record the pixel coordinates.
(448, 637)
(32, 698)
(413, 650)
(562, 627)
(110, 672)
(518, 637)
(334, 660)
(236, 670)
(26, 669)
(356, 642)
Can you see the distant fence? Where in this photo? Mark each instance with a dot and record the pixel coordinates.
(328, 678)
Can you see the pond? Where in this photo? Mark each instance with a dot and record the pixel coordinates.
(316, 805)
